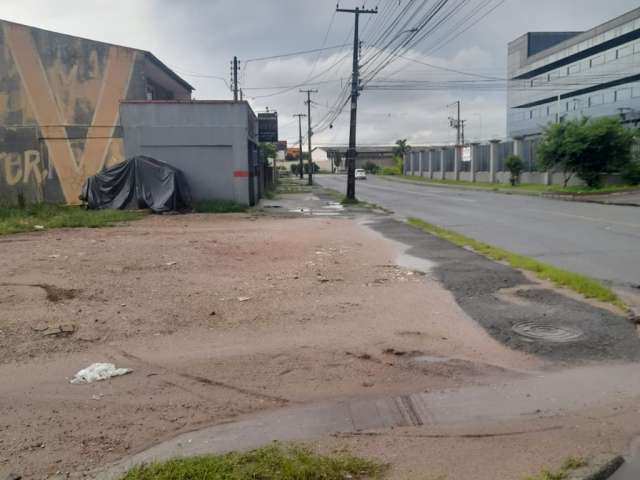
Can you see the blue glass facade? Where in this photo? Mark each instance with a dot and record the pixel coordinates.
(573, 74)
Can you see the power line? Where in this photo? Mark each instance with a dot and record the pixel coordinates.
(294, 54)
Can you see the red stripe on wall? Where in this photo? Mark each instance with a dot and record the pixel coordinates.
(241, 173)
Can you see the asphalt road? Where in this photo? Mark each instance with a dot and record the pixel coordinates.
(602, 241)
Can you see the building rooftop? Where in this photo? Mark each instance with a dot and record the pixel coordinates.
(148, 55)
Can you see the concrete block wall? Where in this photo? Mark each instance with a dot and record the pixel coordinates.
(487, 164)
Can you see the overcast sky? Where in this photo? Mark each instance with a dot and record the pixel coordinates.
(197, 38)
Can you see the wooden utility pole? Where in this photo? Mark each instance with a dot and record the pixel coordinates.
(355, 89)
(309, 133)
(300, 115)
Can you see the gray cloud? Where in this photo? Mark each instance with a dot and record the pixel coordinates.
(201, 36)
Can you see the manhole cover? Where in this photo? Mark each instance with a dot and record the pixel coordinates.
(547, 331)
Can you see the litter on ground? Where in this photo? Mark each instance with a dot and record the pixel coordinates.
(98, 371)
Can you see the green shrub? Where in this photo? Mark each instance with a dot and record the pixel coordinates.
(515, 166)
(631, 173)
(391, 171)
(371, 167)
(586, 148)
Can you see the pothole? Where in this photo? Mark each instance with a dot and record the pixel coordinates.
(547, 332)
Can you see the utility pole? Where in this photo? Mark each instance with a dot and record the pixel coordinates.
(235, 79)
(355, 89)
(458, 124)
(309, 133)
(300, 115)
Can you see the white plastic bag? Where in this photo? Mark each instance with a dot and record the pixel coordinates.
(98, 371)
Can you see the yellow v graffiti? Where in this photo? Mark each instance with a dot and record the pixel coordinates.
(71, 171)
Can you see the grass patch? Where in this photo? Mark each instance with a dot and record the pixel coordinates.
(349, 201)
(581, 284)
(219, 206)
(523, 187)
(16, 220)
(568, 466)
(274, 462)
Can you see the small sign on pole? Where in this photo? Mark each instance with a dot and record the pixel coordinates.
(466, 154)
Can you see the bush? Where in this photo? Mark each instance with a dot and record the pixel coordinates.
(372, 168)
(515, 166)
(631, 173)
(586, 148)
(391, 171)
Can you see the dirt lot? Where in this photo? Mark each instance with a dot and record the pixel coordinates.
(218, 316)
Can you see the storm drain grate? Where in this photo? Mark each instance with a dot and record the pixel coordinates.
(547, 332)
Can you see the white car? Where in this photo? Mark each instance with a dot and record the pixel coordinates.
(361, 174)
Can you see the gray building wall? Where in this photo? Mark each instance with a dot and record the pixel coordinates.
(594, 73)
(212, 143)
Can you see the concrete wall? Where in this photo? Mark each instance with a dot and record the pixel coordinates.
(481, 163)
(209, 141)
(59, 101)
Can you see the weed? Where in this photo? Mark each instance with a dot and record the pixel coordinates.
(28, 218)
(267, 463)
(531, 188)
(570, 464)
(219, 206)
(581, 284)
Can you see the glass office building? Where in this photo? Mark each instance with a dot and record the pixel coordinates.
(554, 76)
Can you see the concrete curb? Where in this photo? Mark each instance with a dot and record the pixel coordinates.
(600, 467)
(567, 197)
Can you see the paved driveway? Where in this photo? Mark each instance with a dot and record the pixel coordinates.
(602, 241)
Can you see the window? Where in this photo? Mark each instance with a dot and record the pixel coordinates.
(610, 56)
(625, 51)
(635, 93)
(596, 100)
(623, 94)
(573, 69)
(595, 61)
(609, 96)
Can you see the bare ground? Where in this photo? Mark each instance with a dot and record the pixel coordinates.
(513, 450)
(218, 316)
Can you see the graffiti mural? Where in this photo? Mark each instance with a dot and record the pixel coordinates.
(59, 102)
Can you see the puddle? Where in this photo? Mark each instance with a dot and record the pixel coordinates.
(402, 258)
(334, 206)
(416, 264)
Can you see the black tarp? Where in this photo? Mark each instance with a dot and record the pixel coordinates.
(139, 182)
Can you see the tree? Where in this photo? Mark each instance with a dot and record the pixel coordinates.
(401, 148)
(371, 167)
(586, 148)
(267, 150)
(399, 152)
(515, 166)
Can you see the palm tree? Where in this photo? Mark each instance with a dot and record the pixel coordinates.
(401, 148)
(399, 151)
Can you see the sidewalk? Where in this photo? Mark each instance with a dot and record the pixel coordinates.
(629, 198)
